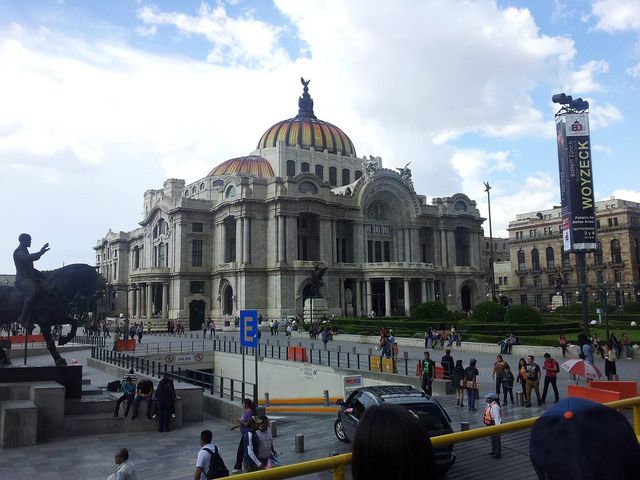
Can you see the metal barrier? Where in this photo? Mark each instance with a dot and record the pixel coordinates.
(224, 387)
(337, 463)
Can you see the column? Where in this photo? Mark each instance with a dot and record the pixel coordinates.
(407, 244)
(444, 257)
(357, 293)
(239, 240)
(368, 295)
(324, 249)
(130, 301)
(387, 296)
(165, 300)
(138, 294)
(149, 298)
(423, 290)
(222, 247)
(407, 303)
(282, 257)
(246, 242)
(451, 247)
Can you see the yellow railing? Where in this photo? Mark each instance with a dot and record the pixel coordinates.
(337, 463)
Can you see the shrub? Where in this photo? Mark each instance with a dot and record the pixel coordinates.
(488, 312)
(631, 307)
(522, 314)
(429, 310)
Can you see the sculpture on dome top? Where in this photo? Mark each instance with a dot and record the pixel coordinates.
(305, 102)
(405, 172)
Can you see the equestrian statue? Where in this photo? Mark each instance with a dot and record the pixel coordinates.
(46, 298)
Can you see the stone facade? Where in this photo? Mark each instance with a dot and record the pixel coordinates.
(613, 272)
(247, 236)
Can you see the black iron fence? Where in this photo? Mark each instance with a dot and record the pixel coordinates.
(224, 387)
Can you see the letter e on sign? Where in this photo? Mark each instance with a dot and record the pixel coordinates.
(249, 328)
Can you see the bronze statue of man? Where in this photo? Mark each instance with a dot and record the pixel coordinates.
(27, 278)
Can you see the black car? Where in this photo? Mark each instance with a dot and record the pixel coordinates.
(430, 413)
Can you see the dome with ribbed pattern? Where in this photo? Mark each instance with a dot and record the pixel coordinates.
(252, 165)
(307, 131)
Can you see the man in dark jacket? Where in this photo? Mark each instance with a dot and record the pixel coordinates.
(144, 391)
(447, 364)
(165, 395)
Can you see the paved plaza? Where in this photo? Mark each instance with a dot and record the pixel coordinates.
(172, 455)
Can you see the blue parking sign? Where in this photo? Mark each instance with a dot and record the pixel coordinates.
(249, 328)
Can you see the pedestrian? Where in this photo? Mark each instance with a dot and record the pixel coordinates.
(391, 443)
(498, 372)
(614, 343)
(139, 332)
(625, 345)
(533, 380)
(562, 341)
(610, 358)
(470, 376)
(325, 337)
(212, 329)
(507, 384)
(125, 470)
(457, 379)
(204, 327)
(447, 364)
(144, 391)
(165, 397)
(250, 460)
(128, 393)
(248, 411)
(266, 449)
(587, 352)
(207, 452)
(522, 377)
(428, 373)
(383, 345)
(490, 417)
(393, 346)
(551, 370)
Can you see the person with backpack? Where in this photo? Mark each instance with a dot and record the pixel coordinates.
(551, 369)
(209, 463)
(470, 375)
(507, 384)
(251, 441)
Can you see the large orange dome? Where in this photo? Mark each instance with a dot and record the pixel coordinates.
(307, 131)
(252, 165)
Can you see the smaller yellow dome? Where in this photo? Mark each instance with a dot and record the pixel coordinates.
(251, 165)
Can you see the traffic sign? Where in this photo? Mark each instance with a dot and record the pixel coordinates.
(249, 328)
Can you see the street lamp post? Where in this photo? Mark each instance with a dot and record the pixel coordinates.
(493, 278)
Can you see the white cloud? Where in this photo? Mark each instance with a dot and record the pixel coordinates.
(625, 194)
(617, 15)
(634, 71)
(583, 80)
(602, 149)
(603, 115)
(243, 40)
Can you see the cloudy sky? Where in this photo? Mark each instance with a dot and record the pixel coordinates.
(100, 101)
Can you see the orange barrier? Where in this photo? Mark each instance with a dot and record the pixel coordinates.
(298, 354)
(299, 401)
(375, 364)
(593, 394)
(30, 338)
(125, 345)
(626, 389)
(389, 365)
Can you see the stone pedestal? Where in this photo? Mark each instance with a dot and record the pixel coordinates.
(556, 301)
(314, 309)
(69, 376)
(349, 311)
(18, 423)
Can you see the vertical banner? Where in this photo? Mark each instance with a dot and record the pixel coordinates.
(576, 182)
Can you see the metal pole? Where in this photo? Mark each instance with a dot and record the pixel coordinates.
(256, 350)
(493, 277)
(26, 336)
(580, 264)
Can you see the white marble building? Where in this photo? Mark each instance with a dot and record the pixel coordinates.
(247, 235)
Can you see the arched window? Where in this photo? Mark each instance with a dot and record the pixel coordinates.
(521, 263)
(291, 168)
(346, 176)
(358, 174)
(535, 259)
(201, 186)
(616, 255)
(217, 183)
(320, 171)
(333, 176)
(193, 190)
(231, 192)
(551, 262)
(308, 187)
(304, 167)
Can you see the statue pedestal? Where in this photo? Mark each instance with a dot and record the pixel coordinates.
(556, 301)
(349, 311)
(314, 310)
(69, 376)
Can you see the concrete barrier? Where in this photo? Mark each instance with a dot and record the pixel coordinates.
(18, 423)
(49, 399)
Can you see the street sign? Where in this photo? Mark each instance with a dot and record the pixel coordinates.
(249, 328)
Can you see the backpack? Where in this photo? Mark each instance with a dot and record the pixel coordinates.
(113, 386)
(217, 468)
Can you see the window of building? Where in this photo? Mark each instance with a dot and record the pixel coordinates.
(291, 168)
(615, 221)
(231, 192)
(346, 176)
(597, 255)
(197, 227)
(598, 224)
(616, 255)
(201, 186)
(518, 235)
(460, 206)
(320, 171)
(194, 190)
(196, 253)
(506, 281)
(217, 183)
(599, 276)
(387, 252)
(550, 254)
(536, 281)
(333, 176)
(357, 175)
(521, 262)
(196, 286)
(551, 278)
(523, 300)
(535, 259)
(566, 261)
(369, 251)
(304, 167)
(307, 187)
(617, 276)
(500, 281)
(521, 282)
(378, 246)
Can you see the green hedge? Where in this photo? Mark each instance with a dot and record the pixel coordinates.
(429, 310)
(631, 307)
(488, 312)
(522, 314)
(538, 328)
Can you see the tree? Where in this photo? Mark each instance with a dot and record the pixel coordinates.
(488, 312)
